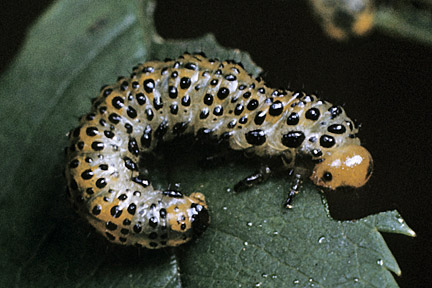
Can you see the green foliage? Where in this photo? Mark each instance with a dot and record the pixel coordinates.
(76, 47)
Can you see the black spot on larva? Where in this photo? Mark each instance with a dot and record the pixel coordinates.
(173, 193)
(126, 222)
(117, 102)
(137, 194)
(172, 92)
(149, 85)
(102, 122)
(204, 113)
(149, 114)
(102, 109)
(350, 125)
(153, 244)
(80, 145)
(132, 208)
(153, 222)
(108, 134)
(157, 103)
(101, 183)
(223, 93)
(164, 71)
(124, 231)
(327, 141)
(88, 159)
(122, 197)
(153, 235)
(316, 153)
(140, 179)
(185, 82)
(141, 99)
(96, 210)
(214, 82)
(124, 85)
(180, 127)
(90, 116)
(252, 105)
(129, 128)
(335, 111)
(230, 77)
(336, 129)
(116, 211)
(174, 74)
(246, 95)
(238, 109)
(107, 92)
(256, 137)
(146, 138)
(313, 139)
(191, 66)
(133, 146)
(312, 114)
(208, 99)
(122, 239)
(137, 228)
(90, 191)
(97, 146)
(109, 236)
(130, 164)
(161, 130)
(218, 110)
(103, 167)
(261, 90)
(186, 101)
(242, 87)
(74, 163)
(232, 123)
(174, 109)
(148, 69)
(260, 117)
(114, 118)
(293, 139)
(276, 108)
(110, 226)
(293, 119)
(162, 213)
(243, 120)
(131, 112)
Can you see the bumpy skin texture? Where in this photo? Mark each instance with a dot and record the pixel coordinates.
(342, 19)
(191, 94)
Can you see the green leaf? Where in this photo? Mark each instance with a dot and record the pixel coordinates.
(75, 48)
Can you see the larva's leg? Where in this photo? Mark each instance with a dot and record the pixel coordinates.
(258, 177)
(294, 189)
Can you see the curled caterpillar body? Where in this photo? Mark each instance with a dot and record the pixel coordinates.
(342, 19)
(205, 97)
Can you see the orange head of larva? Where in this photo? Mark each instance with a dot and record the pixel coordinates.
(351, 165)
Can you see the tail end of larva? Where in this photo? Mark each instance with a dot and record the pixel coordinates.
(200, 214)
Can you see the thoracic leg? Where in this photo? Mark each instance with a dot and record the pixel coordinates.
(294, 189)
(258, 177)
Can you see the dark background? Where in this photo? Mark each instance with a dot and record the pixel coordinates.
(383, 81)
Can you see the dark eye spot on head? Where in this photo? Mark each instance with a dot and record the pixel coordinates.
(327, 176)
